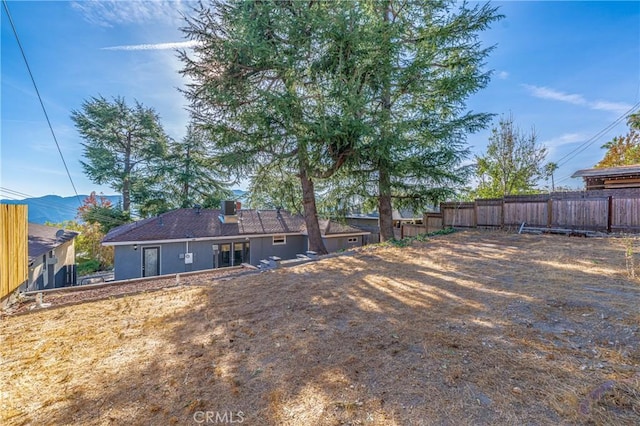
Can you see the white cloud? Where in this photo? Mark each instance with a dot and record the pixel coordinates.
(564, 139)
(617, 107)
(108, 13)
(503, 75)
(577, 99)
(155, 46)
(547, 93)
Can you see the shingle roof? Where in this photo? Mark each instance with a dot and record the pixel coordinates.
(330, 227)
(608, 171)
(205, 223)
(43, 238)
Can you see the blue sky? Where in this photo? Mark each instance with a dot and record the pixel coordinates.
(569, 69)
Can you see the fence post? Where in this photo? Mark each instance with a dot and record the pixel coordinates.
(502, 214)
(475, 213)
(549, 212)
(610, 214)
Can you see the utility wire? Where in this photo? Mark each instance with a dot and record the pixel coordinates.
(594, 138)
(11, 194)
(44, 110)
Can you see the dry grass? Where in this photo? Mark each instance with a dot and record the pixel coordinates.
(469, 328)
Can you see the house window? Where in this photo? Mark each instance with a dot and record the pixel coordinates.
(352, 240)
(279, 240)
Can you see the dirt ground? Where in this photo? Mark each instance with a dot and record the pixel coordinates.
(467, 328)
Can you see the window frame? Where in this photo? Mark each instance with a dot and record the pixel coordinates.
(281, 240)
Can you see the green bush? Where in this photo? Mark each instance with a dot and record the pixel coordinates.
(88, 266)
(422, 237)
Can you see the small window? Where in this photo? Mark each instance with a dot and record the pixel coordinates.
(279, 240)
(353, 239)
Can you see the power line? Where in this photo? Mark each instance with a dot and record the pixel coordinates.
(594, 138)
(11, 194)
(44, 110)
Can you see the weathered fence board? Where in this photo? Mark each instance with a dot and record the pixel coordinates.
(458, 215)
(433, 221)
(534, 213)
(14, 262)
(625, 215)
(489, 212)
(599, 210)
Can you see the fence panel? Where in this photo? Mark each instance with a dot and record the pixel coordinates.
(14, 262)
(580, 213)
(489, 212)
(533, 213)
(458, 215)
(625, 215)
(411, 230)
(433, 221)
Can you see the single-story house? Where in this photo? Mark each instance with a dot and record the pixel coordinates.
(196, 239)
(51, 257)
(610, 177)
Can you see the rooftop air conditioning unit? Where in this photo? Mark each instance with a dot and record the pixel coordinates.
(228, 208)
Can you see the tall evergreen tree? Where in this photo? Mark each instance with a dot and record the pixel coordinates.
(428, 61)
(191, 173)
(275, 85)
(123, 145)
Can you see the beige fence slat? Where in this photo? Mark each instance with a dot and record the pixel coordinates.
(14, 263)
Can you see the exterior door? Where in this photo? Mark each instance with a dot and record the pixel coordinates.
(224, 257)
(150, 261)
(240, 253)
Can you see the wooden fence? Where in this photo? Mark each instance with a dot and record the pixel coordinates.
(598, 210)
(14, 258)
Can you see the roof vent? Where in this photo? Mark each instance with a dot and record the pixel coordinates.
(197, 208)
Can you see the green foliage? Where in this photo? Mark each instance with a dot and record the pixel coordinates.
(123, 144)
(427, 60)
(623, 150)
(512, 164)
(87, 267)
(405, 242)
(192, 175)
(276, 88)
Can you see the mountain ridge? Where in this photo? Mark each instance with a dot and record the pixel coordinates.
(56, 209)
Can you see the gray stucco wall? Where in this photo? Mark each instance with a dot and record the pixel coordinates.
(262, 248)
(341, 243)
(128, 262)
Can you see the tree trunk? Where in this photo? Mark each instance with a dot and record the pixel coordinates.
(126, 182)
(385, 211)
(311, 213)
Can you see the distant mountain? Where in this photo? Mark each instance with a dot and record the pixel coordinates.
(53, 208)
(56, 209)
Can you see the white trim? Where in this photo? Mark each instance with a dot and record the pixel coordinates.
(346, 235)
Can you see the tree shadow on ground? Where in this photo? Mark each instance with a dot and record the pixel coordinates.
(461, 331)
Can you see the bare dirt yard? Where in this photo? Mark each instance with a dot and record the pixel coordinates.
(467, 328)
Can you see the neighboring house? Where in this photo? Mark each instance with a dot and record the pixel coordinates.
(610, 177)
(196, 239)
(369, 222)
(51, 257)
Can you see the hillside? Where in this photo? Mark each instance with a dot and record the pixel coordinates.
(56, 209)
(468, 328)
(53, 208)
